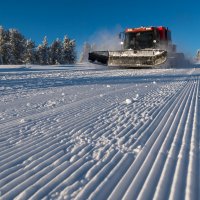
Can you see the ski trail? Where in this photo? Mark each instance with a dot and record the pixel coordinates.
(111, 134)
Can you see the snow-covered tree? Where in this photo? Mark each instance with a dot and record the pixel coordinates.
(72, 57)
(66, 49)
(9, 57)
(43, 52)
(38, 56)
(56, 56)
(3, 47)
(29, 54)
(85, 52)
(69, 53)
(17, 46)
(16, 49)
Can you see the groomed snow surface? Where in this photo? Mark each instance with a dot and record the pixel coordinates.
(91, 132)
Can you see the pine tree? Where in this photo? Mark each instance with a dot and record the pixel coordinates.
(9, 55)
(3, 45)
(17, 44)
(29, 54)
(56, 52)
(66, 50)
(72, 57)
(69, 53)
(43, 53)
(39, 54)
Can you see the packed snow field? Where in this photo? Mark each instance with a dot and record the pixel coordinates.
(90, 132)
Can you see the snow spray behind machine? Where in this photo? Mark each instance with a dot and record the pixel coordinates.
(143, 47)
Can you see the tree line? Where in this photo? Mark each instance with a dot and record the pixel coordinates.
(16, 49)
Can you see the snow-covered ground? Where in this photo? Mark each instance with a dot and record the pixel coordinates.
(90, 132)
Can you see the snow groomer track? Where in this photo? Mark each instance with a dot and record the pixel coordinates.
(99, 134)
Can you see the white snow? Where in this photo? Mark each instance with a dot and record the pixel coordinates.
(92, 132)
(128, 101)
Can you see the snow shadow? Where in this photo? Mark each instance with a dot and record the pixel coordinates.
(40, 83)
(38, 69)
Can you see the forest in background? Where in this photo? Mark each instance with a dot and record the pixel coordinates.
(16, 49)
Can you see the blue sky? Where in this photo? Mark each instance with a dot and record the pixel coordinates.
(81, 19)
